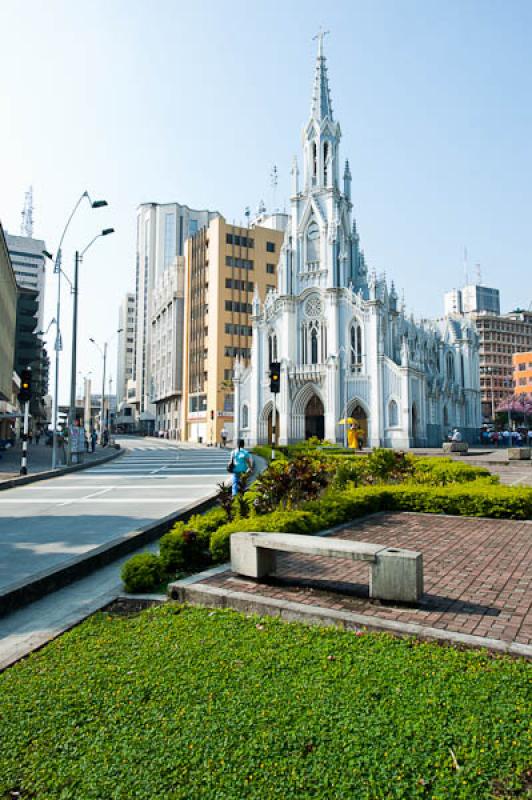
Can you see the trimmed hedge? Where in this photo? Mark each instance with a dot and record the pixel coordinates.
(335, 507)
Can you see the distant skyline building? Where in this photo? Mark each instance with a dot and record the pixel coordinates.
(472, 299)
(162, 229)
(29, 266)
(125, 347)
(501, 338)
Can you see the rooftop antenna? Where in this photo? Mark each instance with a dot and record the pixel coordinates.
(479, 275)
(247, 214)
(26, 225)
(274, 180)
(466, 280)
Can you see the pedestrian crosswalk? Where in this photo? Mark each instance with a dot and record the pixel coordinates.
(164, 461)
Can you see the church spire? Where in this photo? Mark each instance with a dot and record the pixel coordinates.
(321, 96)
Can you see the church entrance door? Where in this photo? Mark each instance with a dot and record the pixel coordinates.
(360, 424)
(314, 418)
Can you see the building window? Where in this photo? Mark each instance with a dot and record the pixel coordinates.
(325, 161)
(245, 416)
(239, 308)
(270, 269)
(270, 247)
(272, 348)
(228, 374)
(242, 263)
(313, 246)
(229, 402)
(450, 367)
(393, 414)
(314, 346)
(355, 358)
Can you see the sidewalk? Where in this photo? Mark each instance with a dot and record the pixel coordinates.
(39, 459)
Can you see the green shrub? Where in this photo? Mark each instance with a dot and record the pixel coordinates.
(278, 521)
(142, 573)
(182, 548)
(442, 471)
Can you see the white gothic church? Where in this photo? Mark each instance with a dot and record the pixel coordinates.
(345, 345)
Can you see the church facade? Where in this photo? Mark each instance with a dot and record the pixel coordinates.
(347, 349)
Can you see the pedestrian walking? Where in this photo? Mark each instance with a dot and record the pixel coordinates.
(223, 436)
(37, 436)
(240, 462)
(93, 441)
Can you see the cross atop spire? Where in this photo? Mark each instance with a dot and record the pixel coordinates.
(321, 97)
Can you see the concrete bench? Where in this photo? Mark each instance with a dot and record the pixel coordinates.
(455, 447)
(395, 574)
(518, 453)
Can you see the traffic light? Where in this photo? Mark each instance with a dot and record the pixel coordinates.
(275, 377)
(25, 385)
(212, 414)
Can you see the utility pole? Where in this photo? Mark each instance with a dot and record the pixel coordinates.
(72, 408)
(24, 398)
(102, 410)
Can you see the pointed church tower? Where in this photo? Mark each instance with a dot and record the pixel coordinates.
(321, 136)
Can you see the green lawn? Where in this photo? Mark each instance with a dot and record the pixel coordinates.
(187, 703)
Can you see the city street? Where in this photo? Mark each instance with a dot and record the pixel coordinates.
(50, 522)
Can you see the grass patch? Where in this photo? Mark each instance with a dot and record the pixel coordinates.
(184, 703)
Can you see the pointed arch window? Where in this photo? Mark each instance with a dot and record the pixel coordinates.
(272, 348)
(356, 346)
(314, 160)
(245, 416)
(393, 414)
(325, 161)
(313, 246)
(314, 346)
(450, 367)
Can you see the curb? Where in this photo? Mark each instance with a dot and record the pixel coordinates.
(11, 483)
(290, 611)
(27, 591)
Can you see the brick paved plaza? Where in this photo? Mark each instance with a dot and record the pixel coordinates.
(477, 575)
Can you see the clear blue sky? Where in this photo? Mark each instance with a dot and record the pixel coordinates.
(195, 102)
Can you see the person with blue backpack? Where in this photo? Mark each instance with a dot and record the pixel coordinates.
(240, 462)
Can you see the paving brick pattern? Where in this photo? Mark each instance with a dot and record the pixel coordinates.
(478, 575)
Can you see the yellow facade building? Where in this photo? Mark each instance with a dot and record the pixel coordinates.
(225, 266)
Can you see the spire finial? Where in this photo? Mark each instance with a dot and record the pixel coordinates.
(320, 36)
(321, 98)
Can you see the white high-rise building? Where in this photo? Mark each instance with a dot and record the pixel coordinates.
(162, 229)
(125, 347)
(29, 266)
(345, 346)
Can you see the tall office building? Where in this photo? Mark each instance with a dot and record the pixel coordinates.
(125, 347)
(167, 348)
(8, 314)
(162, 229)
(29, 266)
(226, 268)
(501, 337)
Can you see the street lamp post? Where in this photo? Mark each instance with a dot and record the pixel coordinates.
(58, 341)
(104, 357)
(75, 291)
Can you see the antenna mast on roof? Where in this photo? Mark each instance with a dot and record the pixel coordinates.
(466, 281)
(274, 180)
(479, 275)
(26, 225)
